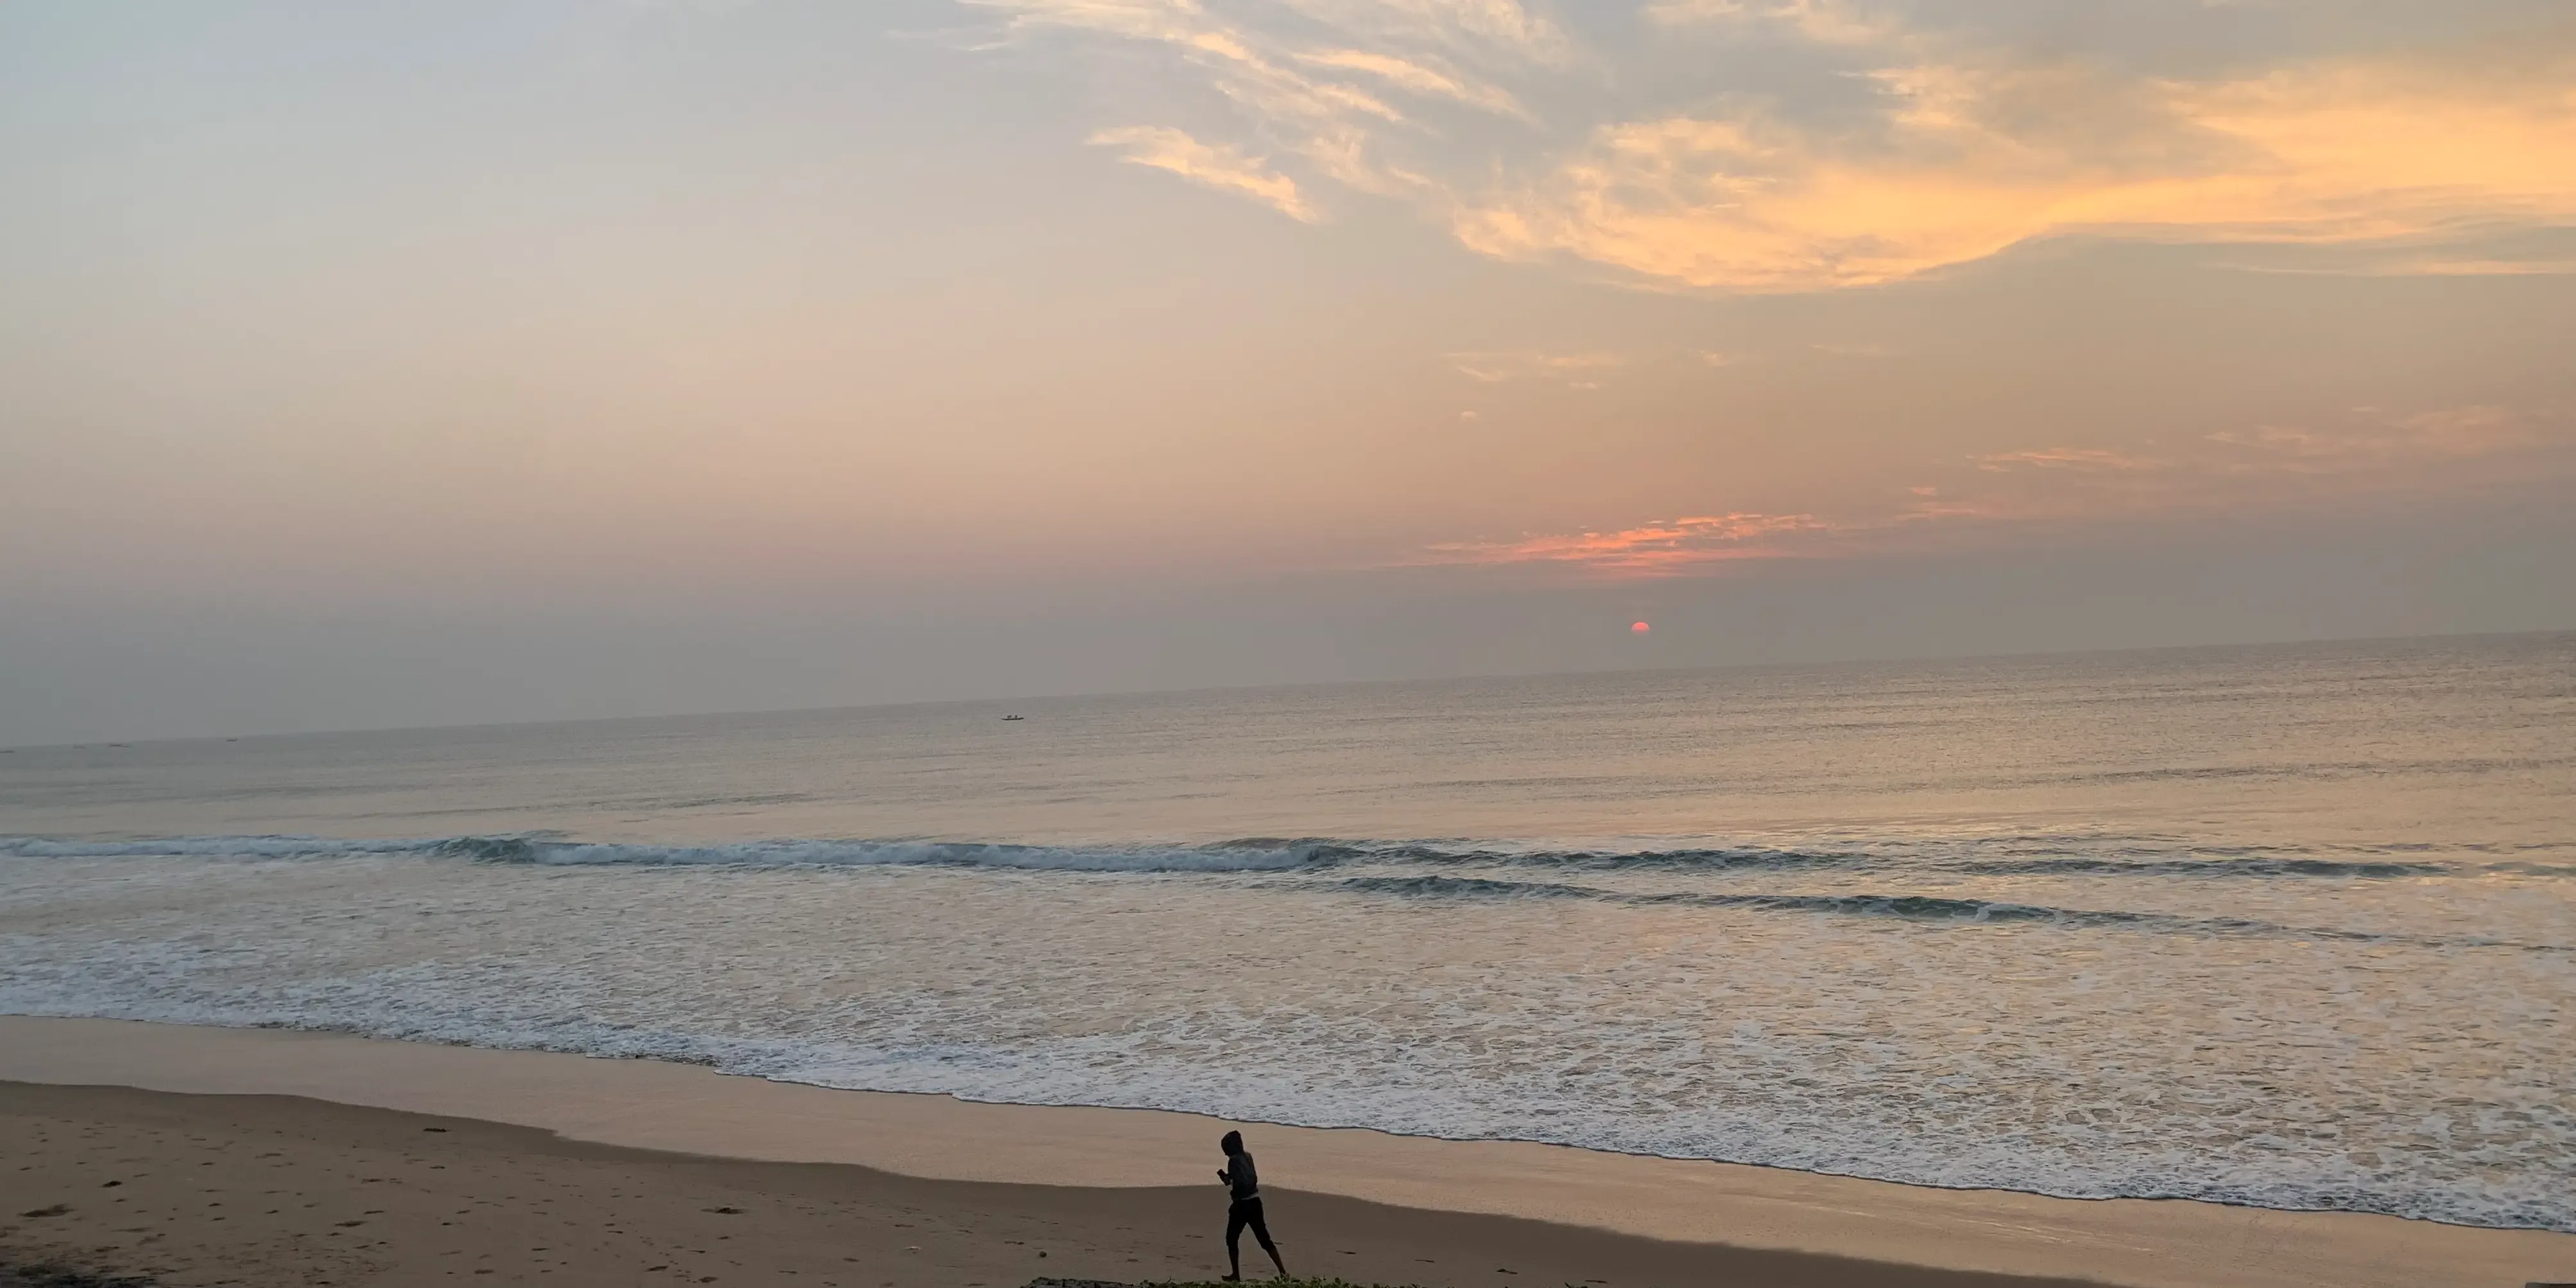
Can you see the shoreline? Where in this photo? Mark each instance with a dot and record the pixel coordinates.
(695, 1111)
(1214, 1123)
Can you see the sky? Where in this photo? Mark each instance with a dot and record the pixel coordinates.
(370, 365)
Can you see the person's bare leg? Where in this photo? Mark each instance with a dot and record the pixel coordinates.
(1261, 1231)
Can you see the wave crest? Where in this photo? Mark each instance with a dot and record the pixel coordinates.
(1988, 856)
(546, 850)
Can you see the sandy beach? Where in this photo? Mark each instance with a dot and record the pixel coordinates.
(207, 1156)
(274, 1190)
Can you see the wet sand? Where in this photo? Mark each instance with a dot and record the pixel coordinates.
(268, 1190)
(238, 1155)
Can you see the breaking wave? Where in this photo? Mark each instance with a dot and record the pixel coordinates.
(551, 851)
(1905, 907)
(1774, 1050)
(2006, 856)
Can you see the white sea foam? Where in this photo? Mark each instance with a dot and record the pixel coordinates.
(1283, 995)
(1297, 1088)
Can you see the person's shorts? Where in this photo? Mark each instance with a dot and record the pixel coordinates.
(1243, 1212)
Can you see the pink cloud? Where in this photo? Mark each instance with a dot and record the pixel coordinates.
(1654, 548)
(2068, 458)
(2460, 451)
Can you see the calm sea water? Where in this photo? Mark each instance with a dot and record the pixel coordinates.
(2292, 926)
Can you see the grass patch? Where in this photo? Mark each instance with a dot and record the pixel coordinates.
(1265, 1283)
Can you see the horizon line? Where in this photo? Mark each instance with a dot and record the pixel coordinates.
(1280, 686)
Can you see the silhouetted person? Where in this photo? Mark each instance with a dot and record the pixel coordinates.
(1245, 1184)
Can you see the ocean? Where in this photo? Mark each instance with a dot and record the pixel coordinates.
(2292, 926)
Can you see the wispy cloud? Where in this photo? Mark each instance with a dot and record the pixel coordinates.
(2264, 470)
(1329, 90)
(1480, 29)
(2397, 448)
(1416, 77)
(1659, 548)
(1940, 148)
(1823, 21)
(1212, 165)
(1961, 163)
(1500, 368)
(2453, 451)
(2086, 459)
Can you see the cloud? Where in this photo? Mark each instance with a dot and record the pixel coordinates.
(2406, 445)
(1888, 141)
(1417, 78)
(2001, 497)
(2088, 459)
(2456, 451)
(1817, 20)
(1499, 368)
(1322, 90)
(1485, 29)
(1215, 166)
(1962, 163)
(1660, 548)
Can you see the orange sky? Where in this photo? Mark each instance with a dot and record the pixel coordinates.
(964, 304)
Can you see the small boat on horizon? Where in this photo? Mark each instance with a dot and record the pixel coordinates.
(1015, 717)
